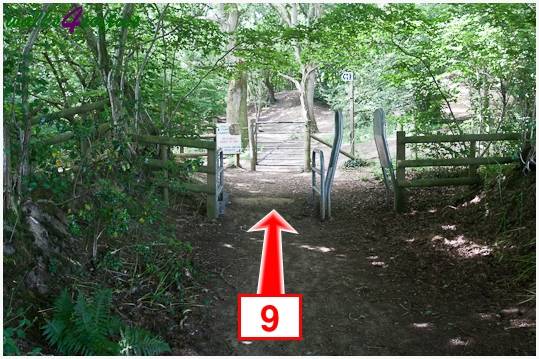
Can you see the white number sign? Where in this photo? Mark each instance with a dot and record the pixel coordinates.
(347, 76)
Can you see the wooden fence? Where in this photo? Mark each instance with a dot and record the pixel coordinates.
(471, 161)
(214, 169)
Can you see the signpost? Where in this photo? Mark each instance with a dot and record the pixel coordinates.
(228, 139)
(348, 76)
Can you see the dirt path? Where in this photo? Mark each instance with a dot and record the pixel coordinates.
(374, 283)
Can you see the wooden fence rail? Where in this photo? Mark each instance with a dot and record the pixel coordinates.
(472, 162)
(214, 168)
(316, 138)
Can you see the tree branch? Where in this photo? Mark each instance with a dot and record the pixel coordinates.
(433, 77)
(203, 77)
(69, 112)
(291, 79)
(283, 12)
(57, 77)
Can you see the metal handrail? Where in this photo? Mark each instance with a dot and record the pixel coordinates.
(380, 139)
(326, 177)
(335, 150)
(321, 190)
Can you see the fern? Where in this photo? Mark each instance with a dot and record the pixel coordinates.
(137, 341)
(87, 327)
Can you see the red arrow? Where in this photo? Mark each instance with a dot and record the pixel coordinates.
(271, 277)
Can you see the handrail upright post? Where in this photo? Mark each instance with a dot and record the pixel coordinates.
(211, 204)
(401, 174)
(322, 188)
(313, 175)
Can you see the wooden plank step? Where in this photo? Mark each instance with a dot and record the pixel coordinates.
(276, 165)
(269, 121)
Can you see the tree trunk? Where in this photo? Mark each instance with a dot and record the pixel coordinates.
(7, 168)
(310, 82)
(24, 169)
(236, 106)
(307, 133)
(269, 87)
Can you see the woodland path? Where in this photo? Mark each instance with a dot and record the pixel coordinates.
(374, 282)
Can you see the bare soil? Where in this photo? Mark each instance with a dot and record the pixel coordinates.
(374, 282)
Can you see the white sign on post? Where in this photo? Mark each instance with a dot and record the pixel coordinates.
(228, 138)
(347, 76)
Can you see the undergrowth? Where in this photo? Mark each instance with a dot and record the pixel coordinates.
(511, 205)
(87, 327)
(355, 163)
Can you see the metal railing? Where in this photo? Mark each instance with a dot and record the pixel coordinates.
(321, 190)
(326, 177)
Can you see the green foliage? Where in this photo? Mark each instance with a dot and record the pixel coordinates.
(135, 341)
(13, 334)
(415, 61)
(358, 162)
(86, 327)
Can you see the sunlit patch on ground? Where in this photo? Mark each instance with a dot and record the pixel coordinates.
(510, 311)
(475, 200)
(379, 264)
(320, 249)
(422, 325)
(521, 323)
(486, 316)
(462, 247)
(460, 342)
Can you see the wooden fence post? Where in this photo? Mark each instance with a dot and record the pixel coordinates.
(400, 195)
(211, 205)
(163, 151)
(472, 168)
(307, 147)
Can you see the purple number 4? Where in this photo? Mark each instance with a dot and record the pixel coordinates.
(76, 13)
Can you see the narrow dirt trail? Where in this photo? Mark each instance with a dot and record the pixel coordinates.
(373, 282)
